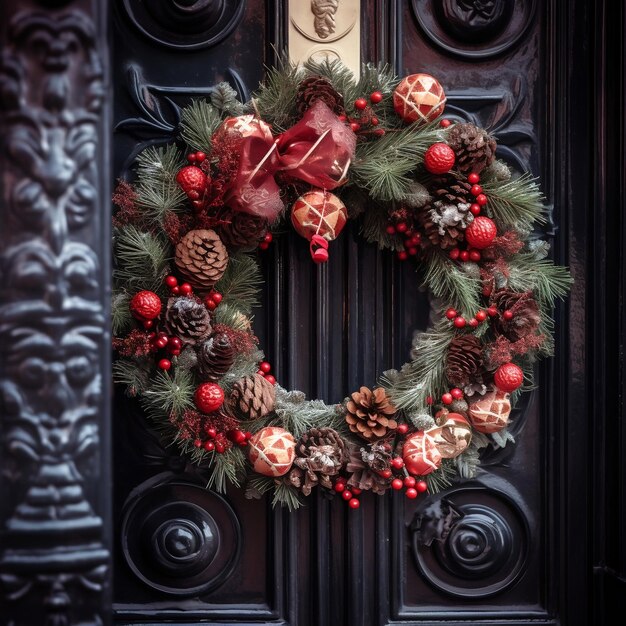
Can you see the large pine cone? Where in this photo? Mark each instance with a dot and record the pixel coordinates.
(320, 454)
(252, 397)
(475, 149)
(369, 413)
(215, 357)
(464, 362)
(366, 464)
(526, 317)
(201, 258)
(187, 319)
(243, 232)
(318, 88)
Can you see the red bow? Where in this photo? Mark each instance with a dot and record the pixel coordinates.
(317, 150)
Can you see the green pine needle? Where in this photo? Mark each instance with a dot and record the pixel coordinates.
(541, 276)
(198, 122)
(240, 283)
(286, 495)
(227, 469)
(275, 99)
(258, 485)
(225, 98)
(142, 259)
(134, 375)
(442, 477)
(169, 394)
(121, 317)
(246, 364)
(374, 228)
(341, 77)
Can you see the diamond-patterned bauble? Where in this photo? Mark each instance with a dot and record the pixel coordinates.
(439, 158)
(419, 98)
(481, 232)
(209, 397)
(319, 213)
(145, 305)
(452, 434)
(508, 377)
(271, 451)
(490, 413)
(246, 126)
(420, 454)
(192, 180)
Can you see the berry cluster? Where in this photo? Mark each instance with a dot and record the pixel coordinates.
(365, 122)
(412, 239)
(172, 345)
(220, 442)
(266, 241)
(480, 316)
(212, 299)
(264, 370)
(178, 290)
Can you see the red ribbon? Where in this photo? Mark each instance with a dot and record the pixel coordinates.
(318, 150)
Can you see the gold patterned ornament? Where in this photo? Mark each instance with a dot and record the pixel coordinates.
(490, 413)
(452, 434)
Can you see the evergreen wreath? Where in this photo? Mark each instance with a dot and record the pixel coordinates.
(318, 147)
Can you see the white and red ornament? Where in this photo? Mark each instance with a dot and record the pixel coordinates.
(439, 158)
(452, 434)
(319, 216)
(420, 454)
(271, 451)
(490, 413)
(481, 232)
(209, 397)
(508, 377)
(145, 306)
(419, 98)
(247, 126)
(192, 180)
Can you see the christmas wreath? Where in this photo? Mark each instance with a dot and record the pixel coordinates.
(316, 147)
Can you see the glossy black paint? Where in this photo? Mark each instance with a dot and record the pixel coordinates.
(536, 538)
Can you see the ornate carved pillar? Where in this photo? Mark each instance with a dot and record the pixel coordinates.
(54, 291)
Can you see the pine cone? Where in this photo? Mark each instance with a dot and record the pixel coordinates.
(369, 413)
(243, 232)
(187, 319)
(475, 149)
(464, 362)
(201, 258)
(318, 88)
(366, 464)
(320, 454)
(526, 317)
(215, 357)
(252, 397)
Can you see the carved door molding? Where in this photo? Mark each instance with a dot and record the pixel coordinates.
(538, 538)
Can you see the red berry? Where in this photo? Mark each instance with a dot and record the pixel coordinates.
(374, 121)
(507, 315)
(200, 156)
(476, 190)
(209, 397)
(161, 342)
(451, 314)
(165, 364)
(248, 435)
(376, 97)
(191, 157)
(176, 290)
(210, 304)
(265, 367)
(459, 322)
(481, 232)
(473, 178)
(402, 255)
(186, 289)
(429, 400)
(354, 503)
(421, 486)
(211, 432)
(260, 373)
(439, 158)
(342, 118)
(209, 446)
(456, 393)
(454, 254)
(268, 238)
(447, 398)
(339, 486)
(474, 256)
(220, 448)
(197, 443)
(481, 199)
(391, 229)
(171, 281)
(175, 343)
(356, 491)
(412, 251)
(508, 377)
(492, 311)
(148, 323)
(263, 245)
(386, 473)
(217, 297)
(397, 484)
(270, 379)
(145, 305)
(481, 316)
(346, 494)
(397, 462)
(444, 123)
(355, 126)
(403, 429)
(475, 209)
(464, 256)
(175, 351)
(360, 103)
(409, 481)
(401, 227)
(473, 323)
(411, 493)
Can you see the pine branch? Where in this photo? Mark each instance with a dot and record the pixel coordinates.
(142, 259)
(341, 77)
(230, 315)
(134, 375)
(424, 375)
(244, 365)
(227, 468)
(442, 477)
(225, 98)
(286, 495)
(121, 317)
(169, 394)
(257, 486)
(453, 286)
(468, 462)
(517, 203)
(275, 99)
(374, 229)
(198, 122)
(240, 283)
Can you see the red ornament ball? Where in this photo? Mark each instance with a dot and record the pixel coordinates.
(508, 377)
(439, 158)
(271, 451)
(319, 213)
(192, 180)
(421, 455)
(419, 98)
(145, 305)
(481, 232)
(209, 397)
(246, 126)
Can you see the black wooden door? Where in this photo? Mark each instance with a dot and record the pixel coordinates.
(85, 85)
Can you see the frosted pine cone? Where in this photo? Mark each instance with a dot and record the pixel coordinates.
(188, 320)
(475, 149)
